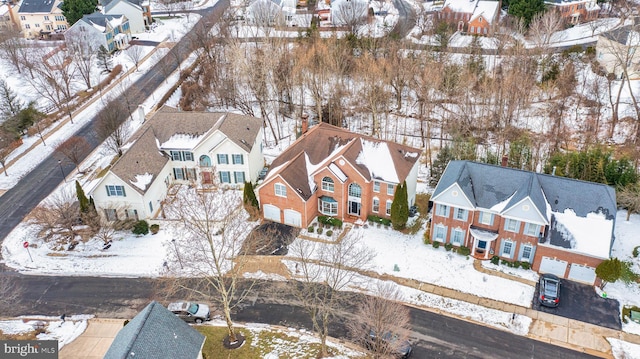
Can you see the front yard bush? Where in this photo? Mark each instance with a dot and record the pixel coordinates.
(154, 228)
(140, 228)
(636, 252)
(448, 246)
(525, 265)
(436, 244)
(427, 237)
(330, 221)
(329, 233)
(319, 230)
(516, 264)
(310, 229)
(464, 251)
(495, 260)
(380, 220)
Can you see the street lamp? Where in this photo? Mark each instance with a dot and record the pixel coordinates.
(61, 170)
(177, 253)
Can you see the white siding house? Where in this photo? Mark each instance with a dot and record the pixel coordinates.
(137, 12)
(199, 148)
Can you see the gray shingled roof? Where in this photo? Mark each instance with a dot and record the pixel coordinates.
(488, 185)
(321, 141)
(99, 18)
(620, 34)
(156, 333)
(36, 6)
(109, 5)
(145, 156)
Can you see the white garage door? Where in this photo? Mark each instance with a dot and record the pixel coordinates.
(581, 273)
(292, 218)
(553, 266)
(271, 212)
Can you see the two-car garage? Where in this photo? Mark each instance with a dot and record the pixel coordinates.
(291, 217)
(577, 272)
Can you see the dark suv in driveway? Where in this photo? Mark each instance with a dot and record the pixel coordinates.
(549, 290)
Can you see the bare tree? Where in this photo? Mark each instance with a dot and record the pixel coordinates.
(75, 149)
(544, 25)
(382, 322)
(57, 218)
(7, 145)
(12, 46)
(135, 53)
(52, 77)
(352, 14)
(628, 197)
(325, 271)
(83, 53)
(213, 225)
(112, 125)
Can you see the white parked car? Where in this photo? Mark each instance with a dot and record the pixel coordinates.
(190, 312)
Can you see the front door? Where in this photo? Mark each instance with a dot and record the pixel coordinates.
(206, 178)
(354, 208)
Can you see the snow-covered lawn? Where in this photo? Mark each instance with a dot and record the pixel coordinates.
(52, 327)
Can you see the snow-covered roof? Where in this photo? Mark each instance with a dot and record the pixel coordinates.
(569, 206)
(463, 6)
(142, 181)
(326, 146)
(486, 9)
(182, 141)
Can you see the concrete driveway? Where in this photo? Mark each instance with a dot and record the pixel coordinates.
(95, 341)
(580, 302)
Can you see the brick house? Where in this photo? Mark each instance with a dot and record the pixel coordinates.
(197, 148)
(576, 11)
(331, 171)
(558, 225)
(479, 17)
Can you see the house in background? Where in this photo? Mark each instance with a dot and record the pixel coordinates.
(173, 146)
(474, 17)
(271, 12)
(7, 17)
(156, 333)
(110, 31)
(618, 46)
(333, 172)
(576, 11)
(558, 225)
(348, 12)
(39, 18)
(137, 11)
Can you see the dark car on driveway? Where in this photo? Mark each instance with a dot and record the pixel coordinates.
(549, 290)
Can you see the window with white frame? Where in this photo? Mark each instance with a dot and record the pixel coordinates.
(511, 225)
(527, 251)
(113, 190)
(131, 214)
(280, 190)
(238, 177)
(191, 174)
(532, 229)
(237, 159)
(390, 189)
(486, 218)
(328, 206)
(327, 184)
(376, 205)
(461, 214)
(389, 207)
(225, 177)
(457, 237)
(507, 248)
(440, 233)
(223, 159)
(376, 186)
(442, 210)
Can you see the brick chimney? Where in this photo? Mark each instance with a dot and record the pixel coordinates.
(505, 159)
(305, 123)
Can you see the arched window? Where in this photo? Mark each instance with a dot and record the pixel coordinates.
(355, 190)
(205, 161)
(327, 184)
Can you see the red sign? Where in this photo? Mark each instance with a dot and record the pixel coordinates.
(25, 244)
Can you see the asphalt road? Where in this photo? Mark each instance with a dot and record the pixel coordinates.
(433, 336)
(17, 202)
